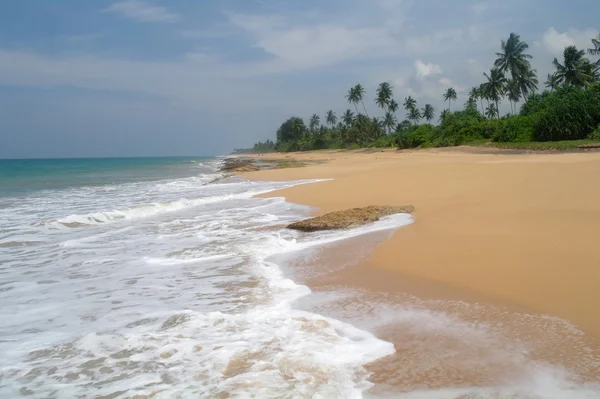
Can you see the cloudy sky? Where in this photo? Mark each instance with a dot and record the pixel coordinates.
(193, 77)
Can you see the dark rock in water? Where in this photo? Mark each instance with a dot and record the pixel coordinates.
(238, 165)
(349, 218)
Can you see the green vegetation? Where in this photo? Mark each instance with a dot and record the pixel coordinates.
(564, 116)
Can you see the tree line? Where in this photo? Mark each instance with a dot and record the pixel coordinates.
(550, 115)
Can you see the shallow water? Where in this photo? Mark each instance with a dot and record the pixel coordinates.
(161, 287)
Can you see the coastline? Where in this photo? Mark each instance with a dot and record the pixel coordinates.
(517, 229)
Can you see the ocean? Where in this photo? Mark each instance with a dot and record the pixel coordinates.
(150, 277)
(163, 278)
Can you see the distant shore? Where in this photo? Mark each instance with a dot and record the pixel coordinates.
(514, 227)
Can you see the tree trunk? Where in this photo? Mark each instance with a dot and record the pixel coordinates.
(365, 108)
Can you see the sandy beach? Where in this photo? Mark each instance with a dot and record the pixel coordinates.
(515, 230)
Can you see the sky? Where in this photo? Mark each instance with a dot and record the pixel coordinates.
(201, 77)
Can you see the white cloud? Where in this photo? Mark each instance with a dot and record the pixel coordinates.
(425, 70)
(556, 41)
(142, 11)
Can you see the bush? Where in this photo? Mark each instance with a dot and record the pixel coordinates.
(422, 135)
(461, 126)
(491, 128)
(595, 135)
(404, 140)
(570, 113)
(383, 142)
(514, 129)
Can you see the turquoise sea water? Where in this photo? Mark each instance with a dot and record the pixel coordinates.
(21, 176)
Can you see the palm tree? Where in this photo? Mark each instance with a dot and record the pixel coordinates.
(575, 70)
(428, 112)
(409, 103)
(360, 92)
(527, 82)
(384, 95)
(471, 103)
(552, 81)
(314, 122)
(348, 118)
(444, 115)
(491, 111)
(513, 92)
(450, 95)
(393, 106)
(298, 126)
(414, 115)
(331, 118)
(596, 50)
(494, 87)
(389, 121)
(513, 57)
(352, 97)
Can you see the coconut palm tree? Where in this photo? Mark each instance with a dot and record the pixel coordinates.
(359, 92)
(348, 118)
(513, 93)
(409, 103)
(428, 112)
(352, 97)
(443, 115)
(527, 82)
(314, 122)
(450, 95)
(513, 57)
(596, 50)
(393, 106)
(471, 103)
(491, 111)
(551, 81)
(494, 87)
(414, 115)
(330, 118)
(389, 121)
(384, 95)
(575, 70)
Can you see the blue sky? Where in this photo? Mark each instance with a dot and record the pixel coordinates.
(142, 78)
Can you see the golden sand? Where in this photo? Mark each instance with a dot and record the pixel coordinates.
(522, 229)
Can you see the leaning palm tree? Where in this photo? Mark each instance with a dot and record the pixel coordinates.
(450, 95)
(494, 87)
(331, 119)
(513, 57)
(360, 92)
(352, 97)
(384, 95)
(414, 115)
(575, 70)
(348, 118)
(428, 112)
(389, 121)
(409, 103)
(552, 81)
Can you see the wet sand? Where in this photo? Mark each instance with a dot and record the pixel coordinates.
(520, 229)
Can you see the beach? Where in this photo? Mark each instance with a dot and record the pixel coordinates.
(515, 231)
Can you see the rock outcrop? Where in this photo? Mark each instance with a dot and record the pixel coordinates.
(349, 218)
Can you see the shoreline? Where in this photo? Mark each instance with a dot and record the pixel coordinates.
(465, 219)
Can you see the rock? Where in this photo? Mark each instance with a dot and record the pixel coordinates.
(349, 218)
(238, 165)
